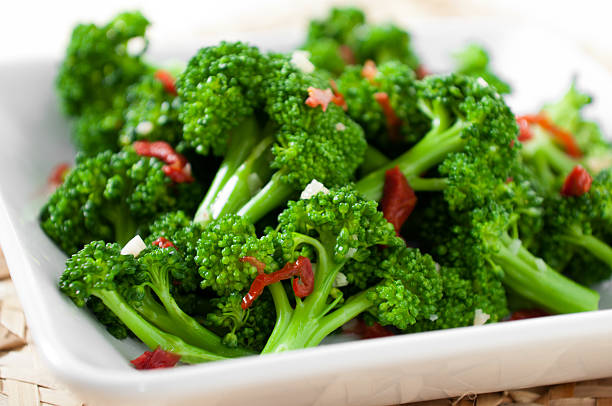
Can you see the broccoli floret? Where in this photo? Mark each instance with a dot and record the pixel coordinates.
(99, 270)
(247, 329)
(94, 76)
(473, 60)
(250, 108)
(341, 230)
(398, 82)
(382, 43)
(151, 113)
(110, 196)
(580, 224)
(344, 39)
(469, 143)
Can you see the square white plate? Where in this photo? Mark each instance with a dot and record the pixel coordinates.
(34, 138)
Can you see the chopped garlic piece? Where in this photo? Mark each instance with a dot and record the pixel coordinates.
(136, 46)
(340, 127)
(313, 188)
(433, 317)
(480, 317)
(515, 246)
(540, 264)
(134, 246)
(144, 128)
(482, 82)
(300, 59)
(340, 280)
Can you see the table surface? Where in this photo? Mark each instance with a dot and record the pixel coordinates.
(23, 379)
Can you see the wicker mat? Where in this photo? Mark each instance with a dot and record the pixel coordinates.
(24, 381)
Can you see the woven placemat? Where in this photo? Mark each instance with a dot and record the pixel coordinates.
(24, 381)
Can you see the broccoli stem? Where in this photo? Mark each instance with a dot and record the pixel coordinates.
(353, 307)
(372, 160)
(533, 279)
(304, 321)
(594, 245)
(194, 332)
(237, 189)
(241, 142)
(427, 153)
(124, 225)
(272, 195)
(150, 335)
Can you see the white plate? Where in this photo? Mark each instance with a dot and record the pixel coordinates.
(374, 372)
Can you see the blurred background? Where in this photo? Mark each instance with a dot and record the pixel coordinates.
(31, 28)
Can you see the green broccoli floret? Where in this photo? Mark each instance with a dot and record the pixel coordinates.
(151, 113)
(247, 329)
(469, 143)
(344, 39)
(341, 229)
(99, 270)
(398, 82)
(580, 224)
(94, 76)
(111, 196)
(550, 157)
(250, 108)
(383, 43)
(473, 60)
(486, 242)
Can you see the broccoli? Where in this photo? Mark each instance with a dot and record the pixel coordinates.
(561, 140)
(94, 76)
(151, 113)
(344, 39)
(336, 230)
(398, 82)
(486, 241)
(110, 197)
(99, 270)
(469, 143)
(250, 108)
(473, 60)
(579, 224)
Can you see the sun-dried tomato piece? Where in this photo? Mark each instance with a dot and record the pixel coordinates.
(369, 70)
(163, 242)
(527, 314)
(393, 121)
(167, 80)
(577, 183)
(365, 331)
(347, 55)
(156, 359)
(177, 168)
(398, 199)
(58, 174)
(564, 137)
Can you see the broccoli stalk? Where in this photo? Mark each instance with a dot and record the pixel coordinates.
(99, 270)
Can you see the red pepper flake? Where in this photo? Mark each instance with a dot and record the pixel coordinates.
(527, 314)
(369, 70)
(393, 121)
(163, 242)
(338, 97)
(398, 199)
(347, 55)
(421, 72)
(302, 286)
(58, 174)
(525, 133)
(322, 97)
(365, 331)
(167, 80)
(260, 266)
(156, 359)
(577, 183)
(564, 137)
(177, 168)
